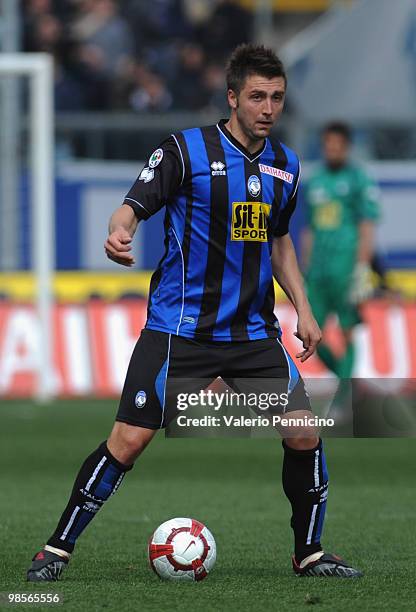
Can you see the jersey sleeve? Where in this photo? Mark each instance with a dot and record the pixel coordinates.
(158, 181)
(282, 226)
(368, 198)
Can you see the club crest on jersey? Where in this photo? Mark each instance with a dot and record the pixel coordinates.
(254, 185)
(277, 173)
(140, 399)
(155, 158)
(249, 221)
(147, 175)
(218, 169)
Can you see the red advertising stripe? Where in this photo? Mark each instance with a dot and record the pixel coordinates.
(410, 312)
(59, 351)
(19, 343)
(96, 312)
(376, 317)
(94, 341)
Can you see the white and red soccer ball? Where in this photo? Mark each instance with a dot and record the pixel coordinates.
(182, 549)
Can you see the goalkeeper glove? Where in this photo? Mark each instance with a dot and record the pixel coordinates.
(361, 287)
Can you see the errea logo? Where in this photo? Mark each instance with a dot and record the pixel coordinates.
(218, 169)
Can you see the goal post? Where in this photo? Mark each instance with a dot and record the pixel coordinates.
(39, 68)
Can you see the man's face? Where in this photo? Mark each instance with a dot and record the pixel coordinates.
(258, 105)
(335, 149)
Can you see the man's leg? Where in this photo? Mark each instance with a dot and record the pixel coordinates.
(346, 362)
(305, 480)
(348, 317)
(99, 477)
(305, 483)
(142, 411)
(327, 357)
(341, 409)
(318, 295)
(139, 416)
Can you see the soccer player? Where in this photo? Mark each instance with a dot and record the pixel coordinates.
(229, 192)
(342, 207)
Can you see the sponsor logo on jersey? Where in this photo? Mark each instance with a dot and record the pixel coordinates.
(277, 173)
(155, 158)
(249, 221)
(140, 399)
(254, 185)
(218, 169)
(147, 175)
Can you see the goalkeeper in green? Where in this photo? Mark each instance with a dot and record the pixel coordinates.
(342, 208)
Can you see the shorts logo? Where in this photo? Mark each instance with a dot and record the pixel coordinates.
(218, 168)
(147, 175)
(254, 185)
(249, 221)
(140, 399)
(188, 320)
(277, 173)
(155, 158)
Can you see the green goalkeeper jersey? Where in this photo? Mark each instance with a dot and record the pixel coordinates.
(336, 202)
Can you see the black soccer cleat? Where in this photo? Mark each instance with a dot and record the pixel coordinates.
(46, 567)
(329, 566)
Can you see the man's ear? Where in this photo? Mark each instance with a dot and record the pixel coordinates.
(232, 99)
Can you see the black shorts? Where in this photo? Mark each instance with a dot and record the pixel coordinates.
(163, 365)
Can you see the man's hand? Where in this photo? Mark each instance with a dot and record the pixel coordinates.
(309, 333)
(118, 247)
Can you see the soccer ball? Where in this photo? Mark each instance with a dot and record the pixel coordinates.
(182, 549)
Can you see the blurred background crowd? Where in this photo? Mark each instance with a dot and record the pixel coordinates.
(129, 71)
(135, 54)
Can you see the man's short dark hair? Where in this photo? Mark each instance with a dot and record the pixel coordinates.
(338, 127)
(249, 59)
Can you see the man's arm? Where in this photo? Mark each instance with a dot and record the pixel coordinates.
(368, 208)
(306, 244)
(286, 272)
(368, 213)
(121, 229)
(365, 251)
(155, 185)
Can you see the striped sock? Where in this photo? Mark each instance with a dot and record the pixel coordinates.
(99, 477)
(305, 483)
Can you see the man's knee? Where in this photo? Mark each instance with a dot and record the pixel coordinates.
(127, 442)
(300, 433)
(305, 442)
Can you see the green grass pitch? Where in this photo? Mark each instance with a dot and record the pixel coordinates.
(234, 486)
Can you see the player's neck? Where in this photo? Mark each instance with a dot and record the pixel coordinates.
(235, 129)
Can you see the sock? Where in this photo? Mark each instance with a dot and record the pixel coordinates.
(99, 477)
(305, 483)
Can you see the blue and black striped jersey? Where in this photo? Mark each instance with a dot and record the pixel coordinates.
(224, 206)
